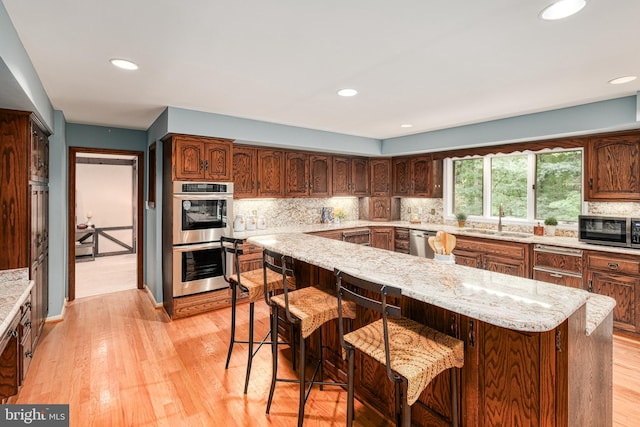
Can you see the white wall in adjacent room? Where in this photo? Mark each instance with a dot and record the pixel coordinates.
(106, 191)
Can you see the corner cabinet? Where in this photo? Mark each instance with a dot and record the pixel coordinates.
(201, 159)
(417, 176)
(612, 168)
(24, 194)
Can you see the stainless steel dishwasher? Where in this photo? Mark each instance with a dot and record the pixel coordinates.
(419, 243)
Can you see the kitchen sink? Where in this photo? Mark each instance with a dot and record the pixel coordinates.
(500, 233)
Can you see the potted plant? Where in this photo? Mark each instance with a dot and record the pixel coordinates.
(339, 216)
(550, 226)
(461, 217)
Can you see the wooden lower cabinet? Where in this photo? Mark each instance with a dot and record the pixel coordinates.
(509, 377)
(618, 277)
(493, 255)
(382, 237)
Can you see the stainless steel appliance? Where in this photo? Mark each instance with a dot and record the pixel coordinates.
(419, 243)
(202, 211)
(610, 231)
(198, 268)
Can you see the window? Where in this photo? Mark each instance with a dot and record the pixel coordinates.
(529, 186)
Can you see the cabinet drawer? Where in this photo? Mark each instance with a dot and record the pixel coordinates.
(402, 234)
(402, 246)
(558, 278)
(613, 263)
(487, 246)
(558, 259)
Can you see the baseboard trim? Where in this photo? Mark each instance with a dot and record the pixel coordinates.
(58, 317)
(155, 303)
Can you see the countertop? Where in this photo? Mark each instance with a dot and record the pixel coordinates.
(568, 242)
(14, 290)
(506, 301)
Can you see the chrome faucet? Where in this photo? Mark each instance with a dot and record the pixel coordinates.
(500, 215)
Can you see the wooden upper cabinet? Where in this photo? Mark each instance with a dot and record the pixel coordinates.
(245, 172)
(380, 174)
(320, 175)
(271, 173)
(350, 176)
(419, 176)
(217, 160)
(197, 158)
(612, 168)
(401, 179)
(296, 174)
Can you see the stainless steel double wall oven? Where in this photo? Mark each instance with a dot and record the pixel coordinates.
(202, 213)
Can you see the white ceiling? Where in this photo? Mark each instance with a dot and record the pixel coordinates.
(434, 64)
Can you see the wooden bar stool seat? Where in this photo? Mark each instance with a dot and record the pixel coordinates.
(413, 353)
(253, 284)
(308, 309)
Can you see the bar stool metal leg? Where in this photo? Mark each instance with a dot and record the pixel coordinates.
(303, 390)
(250, 350)
(232, 339)
(274, 354)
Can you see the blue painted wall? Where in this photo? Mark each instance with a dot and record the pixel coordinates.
(615, 114)
(18, 63)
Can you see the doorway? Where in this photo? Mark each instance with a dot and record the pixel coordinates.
(102, 245)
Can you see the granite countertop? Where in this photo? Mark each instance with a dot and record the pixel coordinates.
(506, 301)
(14, 290)
(567, 242)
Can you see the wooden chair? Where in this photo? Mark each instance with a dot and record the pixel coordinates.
(250, 282)
(307, 309)
(413, 353)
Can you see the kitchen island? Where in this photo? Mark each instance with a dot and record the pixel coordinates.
(535, 353)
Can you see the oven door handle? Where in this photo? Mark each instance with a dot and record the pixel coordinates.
(196, 247)
(208, 196)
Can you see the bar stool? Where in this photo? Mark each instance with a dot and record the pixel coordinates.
(307, 309)
(253, 283)
(413, 353)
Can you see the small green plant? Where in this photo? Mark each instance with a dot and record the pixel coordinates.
(461, 216)
(551, 221)
(340, 215)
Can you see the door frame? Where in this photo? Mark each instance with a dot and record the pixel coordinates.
(71, 219)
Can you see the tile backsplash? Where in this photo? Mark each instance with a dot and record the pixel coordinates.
(283, 212)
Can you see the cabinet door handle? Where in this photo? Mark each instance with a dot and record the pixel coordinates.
(613, 265)
(472, 333)
(555, 275)
(206, 165)
(590, 288)
(590, 183)
(201, 164)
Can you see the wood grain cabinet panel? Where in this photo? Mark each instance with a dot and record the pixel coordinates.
(380, 173)
(320, 169)
(296, 174)
(271, 171)
(617, 276)
(382, 237)
(502, 257)
(612, 168)
(201, 159)
(350, 176)
(245, 172)
(417, 176)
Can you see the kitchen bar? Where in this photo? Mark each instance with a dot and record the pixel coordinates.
(535, 352)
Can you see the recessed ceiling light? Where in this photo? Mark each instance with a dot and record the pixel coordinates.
(347, 92)
(622, 80)
(562, 9)
(406, 125)
(124, 64)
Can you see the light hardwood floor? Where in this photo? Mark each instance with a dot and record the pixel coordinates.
(119, 362)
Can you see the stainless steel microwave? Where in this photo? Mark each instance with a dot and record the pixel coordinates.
(609, 230)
